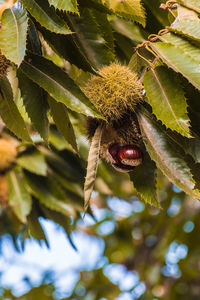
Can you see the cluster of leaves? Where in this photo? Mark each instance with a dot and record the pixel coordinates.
(54, 47)
(139, 242)
(51, 46)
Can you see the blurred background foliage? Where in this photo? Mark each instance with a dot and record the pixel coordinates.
(145, 252)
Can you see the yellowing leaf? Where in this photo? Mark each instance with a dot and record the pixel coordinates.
(93, 159)
(14, 24)
(68, 6)
(131, 9)
(19, 198)
(167, 99)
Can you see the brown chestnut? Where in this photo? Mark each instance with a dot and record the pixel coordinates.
(124, 157)
(129, 152)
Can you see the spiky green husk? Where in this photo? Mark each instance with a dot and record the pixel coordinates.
(4, 64)
(8, 155)
(116, 91)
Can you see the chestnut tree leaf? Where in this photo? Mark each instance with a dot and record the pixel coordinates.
(187, 27)
(49, 193)
(90, 38)
(192, 4)
(130, 9)
(46, 16)
(93, 158)
(9, 111)
(179, 61)
(168, 156)
(65, 47)
(161, 86)
(19, 198)
(34, 162)
(34, 99)
(62, 121)
(14, 25)
(68, 6)
(144, 180)
(185, 45)
(58, 84)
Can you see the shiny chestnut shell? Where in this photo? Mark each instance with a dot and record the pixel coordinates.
(124, 157)
(129, 152)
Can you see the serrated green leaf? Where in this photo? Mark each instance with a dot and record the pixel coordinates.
(179, 61)
(34, 226)
(14, 24)
(93, 158)
(10, 113)
(193, 4)
(67, 168)
(183, 44)
(66, 48)
(89, 37)
(95, 4)
(131, 9)
(63, 221)
(127, 28)
(49, 193)
(135, 64)
(62, 121)
(68, 6)
(106, 29)
(187, 27)
(34, 162)
(58, 84)
(168, 156)
(57, 140)
(159, 14)
(46, 16)
(144, 180)
(34, 99)
(33, 40)
(19, 198)
(167, 99)
(125, 47)
(12, 77)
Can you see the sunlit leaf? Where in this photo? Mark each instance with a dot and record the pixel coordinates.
(188, 28)
(193, 4)
(184, 44)
(179, 61)
(90, 38)
(161, 86)
(49, 193)
(14, 24)
(131, 9)
(35, 103)
(167, 154)
(58, 84)
(10, 113)
(93, 158)
(69, 169)
(65, 47)
(128, 29)
(68, 6)
(62, 121)
(19, 198)
(46, 16)
(33, 162)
